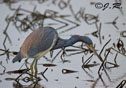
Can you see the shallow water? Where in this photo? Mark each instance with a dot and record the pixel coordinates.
(72, 23)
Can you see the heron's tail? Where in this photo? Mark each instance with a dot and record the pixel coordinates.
(17, 58)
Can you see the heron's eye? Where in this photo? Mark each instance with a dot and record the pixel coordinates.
(91, 45)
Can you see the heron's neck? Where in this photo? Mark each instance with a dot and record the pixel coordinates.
(61, 43)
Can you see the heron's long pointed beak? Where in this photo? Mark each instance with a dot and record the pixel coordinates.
(94, 51)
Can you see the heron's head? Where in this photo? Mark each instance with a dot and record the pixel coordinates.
(84, 39)
(87, 40)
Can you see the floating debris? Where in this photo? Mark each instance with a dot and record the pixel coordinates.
(18, 71)
(10, 79)
(109, 65)
(42, 73)
(113, 23)
(123, 34)
(90, 65)
(91, 19)
(121, 84)
(48, 65)
(4, 68)
(67, 71)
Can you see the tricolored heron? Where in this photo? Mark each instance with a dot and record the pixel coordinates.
(44, 39)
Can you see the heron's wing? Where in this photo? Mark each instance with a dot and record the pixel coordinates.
(39, 41)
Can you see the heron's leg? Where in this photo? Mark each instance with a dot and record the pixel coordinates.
(31, 68)
(36, 69)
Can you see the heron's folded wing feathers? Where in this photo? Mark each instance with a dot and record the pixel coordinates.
(40, 40)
